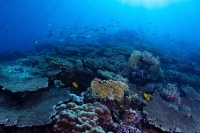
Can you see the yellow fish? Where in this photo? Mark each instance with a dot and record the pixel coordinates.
(54, 58)
(75, 84)
(147, 97)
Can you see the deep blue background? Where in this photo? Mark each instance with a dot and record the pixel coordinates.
(22, 22)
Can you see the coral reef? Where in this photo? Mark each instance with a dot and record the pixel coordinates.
(110, 89)
(27, 97)
(182, 78)
(89, 117)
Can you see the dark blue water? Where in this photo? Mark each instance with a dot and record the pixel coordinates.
(172, 26)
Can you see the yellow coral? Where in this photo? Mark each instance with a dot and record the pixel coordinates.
(134, 59)
(156, 69)
(108, 89)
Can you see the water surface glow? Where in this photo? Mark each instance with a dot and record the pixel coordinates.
(150, 3)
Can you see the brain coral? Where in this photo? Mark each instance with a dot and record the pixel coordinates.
(184, 118)
(108, 89)
(36, 111)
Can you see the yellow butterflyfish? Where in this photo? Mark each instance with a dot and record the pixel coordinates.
(147, 97)
(75, 84)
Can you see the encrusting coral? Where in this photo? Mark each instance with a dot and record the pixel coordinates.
(113, 90)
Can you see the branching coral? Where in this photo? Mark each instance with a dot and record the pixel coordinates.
(149, 58)
(135, 59)
(110, 89)
(171, 93)
(131, 118)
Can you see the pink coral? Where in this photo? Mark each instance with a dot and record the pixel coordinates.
(171, 93)
(131, 118)
(89, 117)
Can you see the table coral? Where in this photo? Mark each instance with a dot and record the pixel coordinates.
(36, 111)
(165, 116)
(19, 78)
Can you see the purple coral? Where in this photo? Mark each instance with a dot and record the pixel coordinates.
(84, 118)
(75, 98)
(131, 118)
(127, 129)
(171, 93)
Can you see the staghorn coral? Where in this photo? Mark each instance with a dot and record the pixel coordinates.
(171, 93)
(110, 89)
(149, 58)
(135, 59)
(36, 111)
(88, 117)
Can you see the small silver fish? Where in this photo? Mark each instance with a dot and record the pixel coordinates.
(35, 41)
